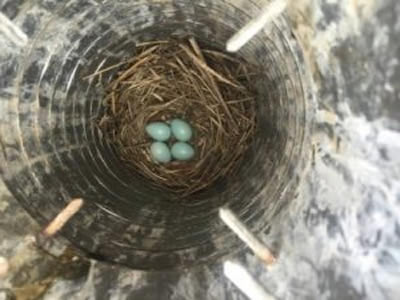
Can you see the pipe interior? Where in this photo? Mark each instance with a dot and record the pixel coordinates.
(126, 219)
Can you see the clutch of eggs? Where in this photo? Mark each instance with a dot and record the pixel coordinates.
(161, 132)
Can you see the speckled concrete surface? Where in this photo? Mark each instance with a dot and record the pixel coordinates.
(340, 239)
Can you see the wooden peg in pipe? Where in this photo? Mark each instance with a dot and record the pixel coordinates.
(268, 13)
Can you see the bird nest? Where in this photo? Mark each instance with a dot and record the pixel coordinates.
(210, 89)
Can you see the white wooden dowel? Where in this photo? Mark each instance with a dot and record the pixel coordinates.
(268, 13)
(259, 249)
(245, 282)
(63, 217)
(4, 266)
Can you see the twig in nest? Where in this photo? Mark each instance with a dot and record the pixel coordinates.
(178, 79)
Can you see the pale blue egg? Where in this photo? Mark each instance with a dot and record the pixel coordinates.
(182, 151)
(158, 131)
(160, 152)
(181, 130)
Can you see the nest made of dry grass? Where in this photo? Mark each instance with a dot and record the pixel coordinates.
(178, 79)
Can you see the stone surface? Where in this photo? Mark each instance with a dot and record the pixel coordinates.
(340, 239)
